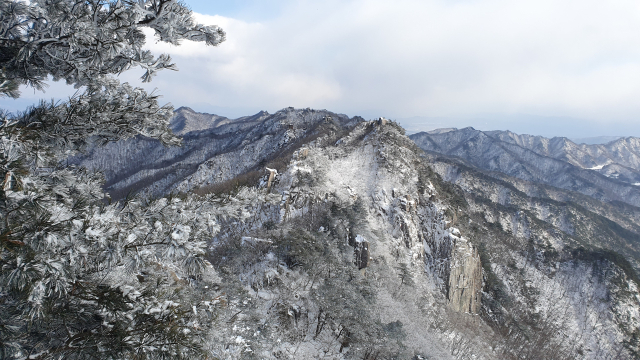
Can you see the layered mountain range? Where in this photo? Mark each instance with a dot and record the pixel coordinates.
(215, 149)
(609, 172)
(468, 245)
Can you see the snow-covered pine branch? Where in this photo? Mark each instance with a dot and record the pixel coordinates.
(69, 259)
(83, 41)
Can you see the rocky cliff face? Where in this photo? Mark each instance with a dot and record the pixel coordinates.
(563, 239)
(465, 277)
(397, 230)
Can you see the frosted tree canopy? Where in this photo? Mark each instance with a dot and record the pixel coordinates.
(68, 256)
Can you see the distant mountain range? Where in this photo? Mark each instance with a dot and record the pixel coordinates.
(595, 140)
(215, 149)
(186, 120)
(608, 172)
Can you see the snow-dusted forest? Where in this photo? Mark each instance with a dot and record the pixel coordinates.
(130, 231)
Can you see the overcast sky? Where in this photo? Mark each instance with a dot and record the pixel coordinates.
(548, 67)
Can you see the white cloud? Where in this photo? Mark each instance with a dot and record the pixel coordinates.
(439, 58)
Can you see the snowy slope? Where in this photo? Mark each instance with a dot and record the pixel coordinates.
(378, 250)
(221, 151)
(186, 120)
(606, 172)
(541, 292)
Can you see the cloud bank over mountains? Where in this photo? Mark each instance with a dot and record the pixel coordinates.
(439, 59)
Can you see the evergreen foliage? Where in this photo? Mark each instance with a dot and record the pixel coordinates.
(68, 258)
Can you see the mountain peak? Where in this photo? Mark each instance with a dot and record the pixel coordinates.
(345, 224)
(441, 131)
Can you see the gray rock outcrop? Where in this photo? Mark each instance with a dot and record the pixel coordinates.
(361, 252)
(465, 277)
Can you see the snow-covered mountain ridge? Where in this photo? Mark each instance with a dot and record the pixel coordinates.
(219, 150)
(606, 172)
(378, 250)
(186, 120)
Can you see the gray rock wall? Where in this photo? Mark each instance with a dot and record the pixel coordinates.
(465, 277)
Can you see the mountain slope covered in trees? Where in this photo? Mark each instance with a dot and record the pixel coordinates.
(608, 172)
(219, 151)
(376, 249)
(299, 234)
